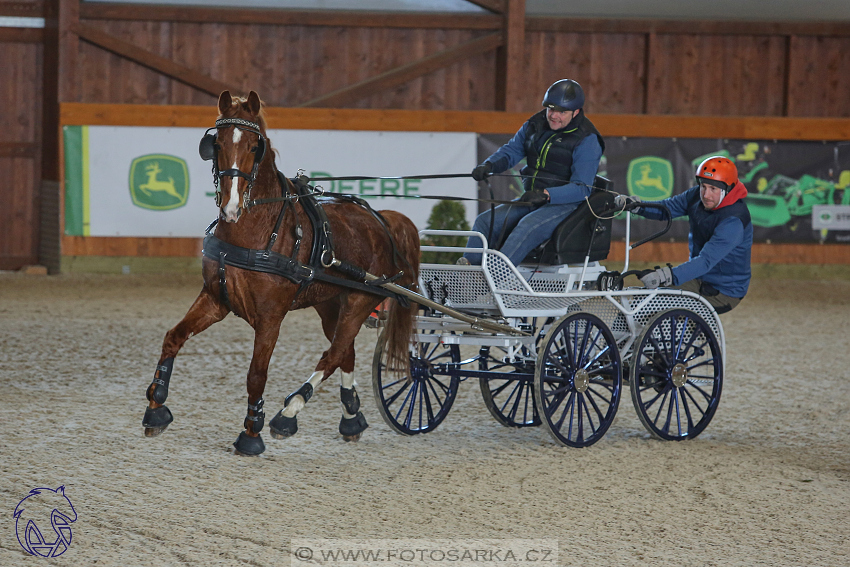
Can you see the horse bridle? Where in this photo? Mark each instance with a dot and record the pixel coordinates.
(208, 148)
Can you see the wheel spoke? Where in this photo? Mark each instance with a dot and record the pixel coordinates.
(700, 390)
(428, 406)
(411, 397)
(499, 389)
(570, 405)
(703, 363)
(659, 351)
(395, 396)
(666, 427)
(587, 349)
(675, 396)
(436, 394)
(595, 408)
(601, 353)
(688, 394)
(444, 387)
(687, 411)
(608, 401)
(660, 407)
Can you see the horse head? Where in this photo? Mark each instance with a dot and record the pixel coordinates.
(237, 148)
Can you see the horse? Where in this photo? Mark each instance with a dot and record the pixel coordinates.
(261, 213)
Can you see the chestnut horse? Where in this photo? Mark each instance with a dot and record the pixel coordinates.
(263, 299)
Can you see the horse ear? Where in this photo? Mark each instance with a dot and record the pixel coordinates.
(254, 103)
(225, 101)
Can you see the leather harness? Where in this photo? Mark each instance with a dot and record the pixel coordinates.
(321, 257)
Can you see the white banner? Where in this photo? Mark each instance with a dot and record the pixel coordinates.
(142, 181)
(831, 217)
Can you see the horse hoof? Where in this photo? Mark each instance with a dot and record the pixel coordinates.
(352, 429)
(352, 438)
(156, 420)
(154, 431)
(282, 426)
(248, 446)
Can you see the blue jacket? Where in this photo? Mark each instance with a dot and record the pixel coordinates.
(720, 240)
(586, 156)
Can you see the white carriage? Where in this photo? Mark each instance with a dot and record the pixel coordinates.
(583, 337)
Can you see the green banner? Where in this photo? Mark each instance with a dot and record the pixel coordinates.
(76, 180)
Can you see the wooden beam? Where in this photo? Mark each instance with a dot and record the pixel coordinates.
(152, 61)
(483, 122)
(125, 246)
(64, 17)
(495, 6)
(636, 25)
(329, 18)
(18, 150)
(512, 58)
(787, 77)
(22, 9)
(21, 35)
(405, 73)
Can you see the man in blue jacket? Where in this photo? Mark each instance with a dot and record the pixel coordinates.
(720, 239)
(562, 148)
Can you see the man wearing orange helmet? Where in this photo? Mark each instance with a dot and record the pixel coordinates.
(720, 239)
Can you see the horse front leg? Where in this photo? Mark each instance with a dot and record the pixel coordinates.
(249, 441)
(205, 311)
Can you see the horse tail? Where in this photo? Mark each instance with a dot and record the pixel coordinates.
(398, 330)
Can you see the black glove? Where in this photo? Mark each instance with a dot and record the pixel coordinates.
(482, 171)
(535, 198)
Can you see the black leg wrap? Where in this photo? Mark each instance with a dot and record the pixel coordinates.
(349, 400)
(305, 391)
(157, 418)
(259, 417)
(353, 426)
(158, 390)
(284, 426)
(248, 445)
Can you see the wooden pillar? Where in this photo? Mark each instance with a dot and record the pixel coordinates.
(510, 60)
(59, 85)
(59, 61)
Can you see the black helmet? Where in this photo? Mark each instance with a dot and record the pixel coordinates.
(565, 94)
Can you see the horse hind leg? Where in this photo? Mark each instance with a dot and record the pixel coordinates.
(353, 422)
(203, 313)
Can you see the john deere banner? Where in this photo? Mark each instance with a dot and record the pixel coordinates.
(137, 181)
(798, 191)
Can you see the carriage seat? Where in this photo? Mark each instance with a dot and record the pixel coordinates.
(570, 241)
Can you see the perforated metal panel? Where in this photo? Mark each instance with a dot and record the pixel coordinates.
(463, 287)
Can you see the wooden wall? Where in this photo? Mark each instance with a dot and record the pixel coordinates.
(625, 67)
(21, 54)
(629, 68)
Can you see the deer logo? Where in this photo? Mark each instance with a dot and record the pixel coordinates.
(650, 178)
(159, 182)
(152, 170)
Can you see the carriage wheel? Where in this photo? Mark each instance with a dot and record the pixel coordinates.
(509, 400)
(676, 375)
(578, 379)
(420, 402)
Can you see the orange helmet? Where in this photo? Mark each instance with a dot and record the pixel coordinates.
(718, 169)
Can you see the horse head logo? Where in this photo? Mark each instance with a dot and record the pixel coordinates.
(40, 508)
